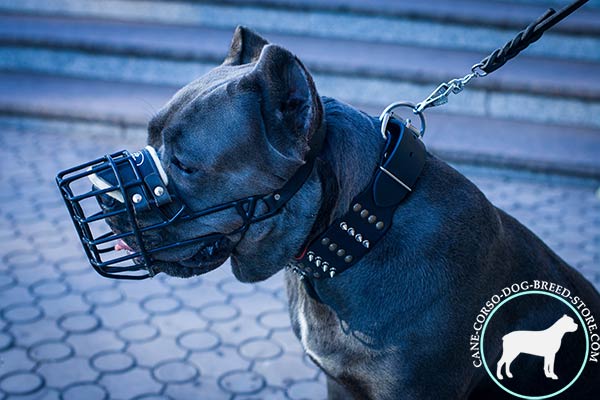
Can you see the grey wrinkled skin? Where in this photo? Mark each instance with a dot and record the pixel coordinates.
(397, 324)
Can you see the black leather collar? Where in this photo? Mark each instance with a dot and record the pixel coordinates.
(353, 235)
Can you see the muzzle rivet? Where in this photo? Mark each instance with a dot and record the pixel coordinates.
(325, 241)
(379, 225)
(364, 213)
(277, 196)
(136, 198)
(341, 252)
(159, 191)
(348, 259)
(332, 247)
(357, 207)
(372, 219)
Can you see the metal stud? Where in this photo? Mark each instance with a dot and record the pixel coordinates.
(366, 244)
(159, 191)
(356, 207)
(379, 225)
(341, 252)
(332, 272)
(325, 241)
(364, 213)
(325, 266)
(351, 231)
(348, 259)
(311, 256)
(318, 261)
(277, 196)
(332, 247)
(372, 219)
(344, 226)
(136, 198)
(358, 237)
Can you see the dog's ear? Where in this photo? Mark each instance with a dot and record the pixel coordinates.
(245, 47)
(291, 107)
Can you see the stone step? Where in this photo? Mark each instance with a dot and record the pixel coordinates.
(118, 108)
(526, 74)
(502, 14)
(433, 32)
(529, 89)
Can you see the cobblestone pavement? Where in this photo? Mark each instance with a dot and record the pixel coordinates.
(67, 333)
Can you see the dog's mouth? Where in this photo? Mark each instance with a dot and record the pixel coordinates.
(207, 257)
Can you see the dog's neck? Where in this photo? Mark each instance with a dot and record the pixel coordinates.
(352, 150)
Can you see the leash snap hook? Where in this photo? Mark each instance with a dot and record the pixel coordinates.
(388, 113)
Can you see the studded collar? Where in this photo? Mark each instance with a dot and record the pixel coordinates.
(350, 237)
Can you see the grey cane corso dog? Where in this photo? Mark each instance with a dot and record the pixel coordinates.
(397, 324)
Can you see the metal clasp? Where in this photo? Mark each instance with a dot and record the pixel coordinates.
(388, 113)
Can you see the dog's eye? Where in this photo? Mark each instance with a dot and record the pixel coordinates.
(176, 162)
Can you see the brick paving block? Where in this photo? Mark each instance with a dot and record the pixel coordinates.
(260, 349)
(112, 362)
(30, 333)
(307, 390)
(175, 323)
(48, 288)
(285, 370)
(6, 340)
(102, 297)
(141, 290)
(50, 351)
(218, 362)
(155, 351)
(85, 282)
(162, 304)
(67, 304)
(239, 330)
(138, 332)
(198, 297)
(87, 391)
(196, 341)
(219, 312)
(242, 382)
(258, 303)
(118, 315)
(288, 341)
(206, 388)
(14, 359)
(130, 384)
(64, 373)
(21, 383)
(22, 313)
(268, 393)
(101, 340)
(175, 372)
(278, 320)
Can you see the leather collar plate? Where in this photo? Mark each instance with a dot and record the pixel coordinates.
(354, 234)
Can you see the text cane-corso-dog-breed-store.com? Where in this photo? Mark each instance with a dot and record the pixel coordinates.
(402, 277)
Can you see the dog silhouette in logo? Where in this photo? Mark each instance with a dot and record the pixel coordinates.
(544, 343)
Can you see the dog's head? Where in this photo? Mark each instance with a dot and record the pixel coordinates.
(568, 324)
(242, 129)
